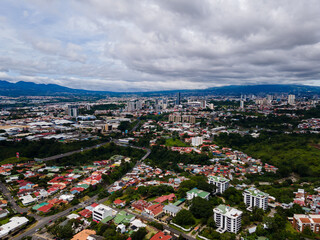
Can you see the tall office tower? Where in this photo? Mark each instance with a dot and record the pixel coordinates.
(192, 119)
(227, 219)
(73, 111)
(196, 141)
(291, 99)
(270, 98)
(157, 108)
(203, 103)
(178, 100)
(138, 105)
(131, 106)
(255, 198)
(164, 103)
(242, 104)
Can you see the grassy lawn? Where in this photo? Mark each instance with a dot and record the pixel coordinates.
(151, 232)
(289, 228)
(151, 199)
(107, 202)
(175, 143)
(4, 221)
(14, 160)
(186, 227)
(85, 198)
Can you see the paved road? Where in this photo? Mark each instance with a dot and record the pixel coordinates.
(44, 221)
(135, 126)
(14, 205)
(72, 152)
(175, 231)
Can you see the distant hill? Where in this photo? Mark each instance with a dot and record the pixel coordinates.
(33, 89)
(266, 89)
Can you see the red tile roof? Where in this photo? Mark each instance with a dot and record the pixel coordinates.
(94, 205)
(161, 236)
(162, 199)
(45, 208)
(155, 209)
(118, 201)
(85, 213)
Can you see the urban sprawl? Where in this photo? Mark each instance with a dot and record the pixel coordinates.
(165, 167)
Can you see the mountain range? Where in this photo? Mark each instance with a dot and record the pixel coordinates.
(33, 89)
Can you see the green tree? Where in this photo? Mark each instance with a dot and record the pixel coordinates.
(140, 234)
(200, 208)
(211, 223)
(184, 218)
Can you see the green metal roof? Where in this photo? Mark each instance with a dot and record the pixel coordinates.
(219, 179)
(123, 217)
(199, 192)
(107, 219)
(83, 186)
(222, 208)
(256, 192)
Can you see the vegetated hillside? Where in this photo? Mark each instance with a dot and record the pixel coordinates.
(33, 89)
(266, 88)
(29, 88)
(291, 153)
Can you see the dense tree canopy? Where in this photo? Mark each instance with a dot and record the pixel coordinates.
(40, 149)
(201, 208)
(167, 159)
(289, 152)
(184, 218)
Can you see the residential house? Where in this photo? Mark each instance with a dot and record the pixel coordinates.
(197, 193)
(161, 236)
(154, 210)
(171, 209)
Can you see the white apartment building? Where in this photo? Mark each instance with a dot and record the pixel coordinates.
(291, 99)
(255, 198)
(227, 219)
(196, 141)
(221, 183)
(100, 212)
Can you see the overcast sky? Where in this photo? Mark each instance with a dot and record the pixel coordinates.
(136, 45)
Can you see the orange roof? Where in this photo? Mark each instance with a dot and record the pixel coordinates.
(83, 235)
(316, 220)
(305, 220)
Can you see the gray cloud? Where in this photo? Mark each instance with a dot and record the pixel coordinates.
(159, 44)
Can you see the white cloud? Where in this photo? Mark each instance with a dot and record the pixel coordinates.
(128, 45)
